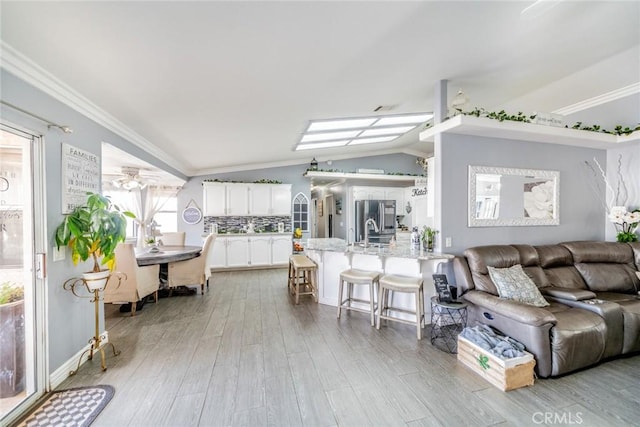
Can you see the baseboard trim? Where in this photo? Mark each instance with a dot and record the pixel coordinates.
(62, 373)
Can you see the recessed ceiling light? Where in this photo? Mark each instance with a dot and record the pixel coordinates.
(328, 136)
(322, 145)
(403, 120)
(373, 140)
(340, 124)
(387, 131)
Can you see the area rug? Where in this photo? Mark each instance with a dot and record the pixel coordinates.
(76, 407)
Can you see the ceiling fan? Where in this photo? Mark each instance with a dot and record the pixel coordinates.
(131, 179)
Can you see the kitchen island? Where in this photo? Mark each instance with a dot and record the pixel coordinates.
(334, 256)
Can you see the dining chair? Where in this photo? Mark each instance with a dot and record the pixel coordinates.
(172, 238)
(137, 282)
(194, 271)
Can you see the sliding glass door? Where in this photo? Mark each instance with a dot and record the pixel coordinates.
(22, 270)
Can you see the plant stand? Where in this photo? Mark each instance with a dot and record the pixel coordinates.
(97, 341)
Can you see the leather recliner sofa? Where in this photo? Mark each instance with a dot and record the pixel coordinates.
(593, 290)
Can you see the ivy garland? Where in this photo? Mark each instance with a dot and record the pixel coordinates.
(341, 171)
(521, 117)
(260, 181)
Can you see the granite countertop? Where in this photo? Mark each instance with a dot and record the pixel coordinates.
(399, 251)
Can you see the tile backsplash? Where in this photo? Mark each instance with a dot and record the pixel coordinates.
(236, 224)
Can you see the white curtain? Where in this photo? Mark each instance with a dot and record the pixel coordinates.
(144, 204)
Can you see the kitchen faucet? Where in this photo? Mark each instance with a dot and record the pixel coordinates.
(368, 222)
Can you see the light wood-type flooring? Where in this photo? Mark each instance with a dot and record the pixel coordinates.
(244, 355)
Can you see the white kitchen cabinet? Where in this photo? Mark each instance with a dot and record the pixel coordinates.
(259, 199)
(260, 251)
(219, 255)
(281, 199)
(214, 199)
(237, 199)
(225, 199)
(379, 193)
(237, 251)
(270, 199)
(281, 248)
(360, 193)
(368, 193)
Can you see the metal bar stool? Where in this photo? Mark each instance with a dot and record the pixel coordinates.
(302, 272)
(353, 277)
(394, 283)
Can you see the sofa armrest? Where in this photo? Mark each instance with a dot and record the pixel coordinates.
(522, 313)
(568, 294)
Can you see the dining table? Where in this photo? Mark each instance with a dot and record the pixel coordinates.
(166, 254)
(163, 255)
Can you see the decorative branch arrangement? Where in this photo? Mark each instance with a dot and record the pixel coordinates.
(600, 184)
(625, 221)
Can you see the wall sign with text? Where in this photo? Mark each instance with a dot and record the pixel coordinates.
(192, 214)
(80, 175)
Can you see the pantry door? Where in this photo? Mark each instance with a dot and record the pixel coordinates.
(22, 272)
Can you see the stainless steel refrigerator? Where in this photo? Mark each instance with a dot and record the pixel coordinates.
(383, 213)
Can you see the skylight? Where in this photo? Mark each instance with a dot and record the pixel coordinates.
(357, 131)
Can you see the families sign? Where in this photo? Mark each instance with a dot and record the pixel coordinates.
(80, 175)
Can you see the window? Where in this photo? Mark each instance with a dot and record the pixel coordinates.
(167, 216)
(124, 200)
(301, 212)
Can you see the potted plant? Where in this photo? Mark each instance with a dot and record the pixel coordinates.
(93, 231)
(428, 238)
(12, 351)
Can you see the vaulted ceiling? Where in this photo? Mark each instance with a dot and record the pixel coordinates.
(218, 86)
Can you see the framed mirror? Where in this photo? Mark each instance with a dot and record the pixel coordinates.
(501, 197)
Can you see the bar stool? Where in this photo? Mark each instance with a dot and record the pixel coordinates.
(302, 272)
(353, 277)
(395, 283)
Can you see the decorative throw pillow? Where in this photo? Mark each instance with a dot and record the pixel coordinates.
(514, 284)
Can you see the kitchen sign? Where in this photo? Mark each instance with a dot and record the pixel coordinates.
(420, 188)
(80, 175)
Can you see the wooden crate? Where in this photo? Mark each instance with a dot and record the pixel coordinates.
(506, 374)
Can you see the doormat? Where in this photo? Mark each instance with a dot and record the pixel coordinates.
(73, 407)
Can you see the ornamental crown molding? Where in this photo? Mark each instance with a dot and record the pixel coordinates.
(16, 63)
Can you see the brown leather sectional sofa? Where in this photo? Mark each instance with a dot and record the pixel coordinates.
(594, 293)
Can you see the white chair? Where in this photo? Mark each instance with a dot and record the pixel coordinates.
(194, 271)
(173, 238)
(137, 283)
